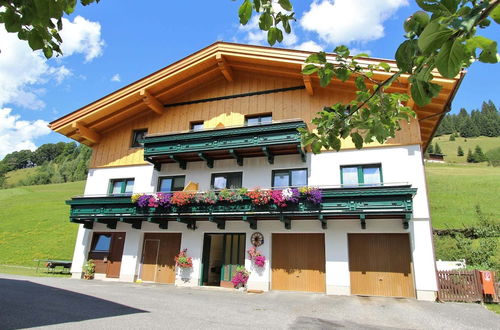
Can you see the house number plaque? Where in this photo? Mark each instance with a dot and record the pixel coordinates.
(257, 239)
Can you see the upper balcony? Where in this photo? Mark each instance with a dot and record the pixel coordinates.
(266, 140)
(363, 203)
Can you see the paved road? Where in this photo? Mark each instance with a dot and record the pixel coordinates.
(76, 304)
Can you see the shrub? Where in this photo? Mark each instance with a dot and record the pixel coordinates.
(494, 157)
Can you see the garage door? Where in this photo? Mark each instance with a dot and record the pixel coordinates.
(380, 265)
(298, 262)
(158, 255)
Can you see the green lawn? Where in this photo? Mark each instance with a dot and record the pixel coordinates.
(455, 189)
(449, 148)
(31, 271)
(493, 307)
(34, 223)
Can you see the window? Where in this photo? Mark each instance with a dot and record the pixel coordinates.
(226, 180)
(171, 183)
(196, 126)
(258, 120)
(121, 186)
(137, 137)
(364, 175)
(102, 242)
(290, 178)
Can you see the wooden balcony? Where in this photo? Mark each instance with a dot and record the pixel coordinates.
(365, 204)
(267, 140)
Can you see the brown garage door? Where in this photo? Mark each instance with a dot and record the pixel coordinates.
(158, 255)
(380, 265)
(298, 262)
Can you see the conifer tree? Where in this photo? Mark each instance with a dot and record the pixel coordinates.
(430, 149)
(437, 149)
(460, 151)
(470, 157)
(478, 155)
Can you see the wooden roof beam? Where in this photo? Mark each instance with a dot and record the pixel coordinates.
(151, 101)
(224, 67)
(87, 133)
(308, 84)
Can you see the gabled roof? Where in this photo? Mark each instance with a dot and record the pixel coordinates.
(218, 60)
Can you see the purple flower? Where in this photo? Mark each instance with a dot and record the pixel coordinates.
(314, 195)
(143, 201)
(164, 199)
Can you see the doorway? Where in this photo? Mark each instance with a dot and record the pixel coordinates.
(158, 253)
(106, 250)
(222, 254)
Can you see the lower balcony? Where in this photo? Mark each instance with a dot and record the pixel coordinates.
(327, 204)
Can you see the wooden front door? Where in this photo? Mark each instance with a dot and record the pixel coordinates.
(380, 265)
(159, 251)
(298, 262)
(115, 255)
(106, 250)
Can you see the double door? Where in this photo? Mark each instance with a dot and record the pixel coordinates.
(159, 251)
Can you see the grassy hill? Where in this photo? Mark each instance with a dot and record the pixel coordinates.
(14, 177)
(34, 223)
(449, 148)
(455, 190)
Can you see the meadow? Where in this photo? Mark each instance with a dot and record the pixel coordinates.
(449, 148)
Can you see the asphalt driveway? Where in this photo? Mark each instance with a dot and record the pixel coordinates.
(66, 303)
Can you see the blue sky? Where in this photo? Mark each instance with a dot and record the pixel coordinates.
(127, 40)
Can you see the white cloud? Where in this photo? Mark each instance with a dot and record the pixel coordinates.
(255, 36)
(17, 134)
(346, 21)
(310, 46)
(116, 78)
(82, 36)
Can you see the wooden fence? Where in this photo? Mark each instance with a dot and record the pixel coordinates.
(460, 285)
(465, 286)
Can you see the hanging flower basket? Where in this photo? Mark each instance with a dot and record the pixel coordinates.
(258, 259)
(183, 261)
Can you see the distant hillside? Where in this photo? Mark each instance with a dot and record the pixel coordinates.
(34, 223)
(449, 148)
(455, 190)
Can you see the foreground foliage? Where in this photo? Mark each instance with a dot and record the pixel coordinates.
(442, 36)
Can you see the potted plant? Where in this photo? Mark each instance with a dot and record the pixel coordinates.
(240, 277)
(183, 261)
(89, 270)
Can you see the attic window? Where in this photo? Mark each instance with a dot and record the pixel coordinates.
(196, 126)
(266, 118)
(137, 137)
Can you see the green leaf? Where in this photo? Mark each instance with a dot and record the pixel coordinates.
(422, 91)
(47, 51)
(335, 143)
(319, 57)
(495, 14)
(42, 9)
(489, 48)
(342, 51)
(245, 12)
(357, 139)
(272, 35)
(310, 69)
(316, 147)
(70, 6)
(256, 4)
(360, 83)
(12, 21)
(265, 21)
(35, 40)
(433, 37)
(405, 54)
(285, 4)
(450, 58)
(385, 66)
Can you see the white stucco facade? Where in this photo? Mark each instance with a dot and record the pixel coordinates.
(399, 164)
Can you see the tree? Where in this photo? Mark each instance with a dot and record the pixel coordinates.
(469, 129)
(38, 21)
(446, 41)
(493, 156)
(452, 137)
(470, 157)
(460, 151)
(437, 149)
(478, 155)
(430, 149)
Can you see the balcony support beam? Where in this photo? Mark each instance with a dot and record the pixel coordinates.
(302, 153)
(251, 221)
(190, 223)
(88, 225)
(182, 163)
(162, 224)
(362, 219)
(286, 221)
(210, 161)
(221, 224)
(136, 223)
(308, 84)
(269, 155)
(322, 219)
(234, 154)
(406, 220)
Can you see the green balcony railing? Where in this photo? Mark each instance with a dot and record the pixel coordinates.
(267, 140)
(362, 203)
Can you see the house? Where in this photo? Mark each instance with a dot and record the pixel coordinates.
(435, 158)
(227, 117)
